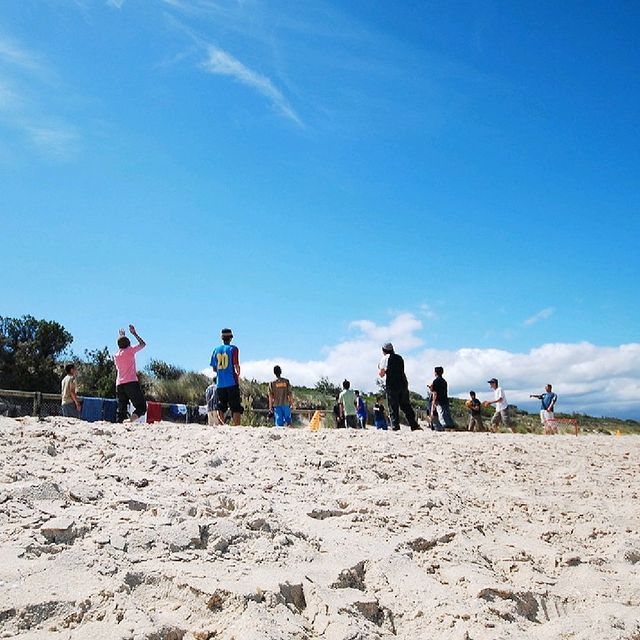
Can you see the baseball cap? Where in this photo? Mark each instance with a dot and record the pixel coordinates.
(387, 346)
(226, 333)
(493, 380)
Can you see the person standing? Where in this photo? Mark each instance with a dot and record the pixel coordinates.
(500, 400)
(475, 412)
(548, 401)
(211, 398)
(225, 361)
(434, 423)
(361, 410)
(337, 413)
(70, 407)
(391, 367)
(127, 385)
(280, 399)
(379, 417)
(440, 400)
(347, 402)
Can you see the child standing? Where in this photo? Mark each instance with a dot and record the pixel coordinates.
(361, 410)
(379, 417)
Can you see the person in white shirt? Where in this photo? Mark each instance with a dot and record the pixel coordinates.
(71, 406)
(501, 403)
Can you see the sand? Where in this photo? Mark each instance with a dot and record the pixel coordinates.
(169, 531)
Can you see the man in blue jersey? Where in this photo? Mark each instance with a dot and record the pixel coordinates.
(548, 401)
(225, 361)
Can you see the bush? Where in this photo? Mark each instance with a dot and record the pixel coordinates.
(189, 388)
(97, 374)
(164, 371)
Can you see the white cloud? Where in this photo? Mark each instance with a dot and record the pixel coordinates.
(222, 63)
(587, 378)
(116, 4)
(543, 314)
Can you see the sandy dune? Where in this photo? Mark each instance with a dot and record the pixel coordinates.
(166, 532)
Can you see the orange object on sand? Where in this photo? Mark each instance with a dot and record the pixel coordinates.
(314, 423)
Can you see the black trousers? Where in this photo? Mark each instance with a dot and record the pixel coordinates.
(130, 391)
(399, 399)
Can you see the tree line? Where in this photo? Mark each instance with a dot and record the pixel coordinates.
(33, 354)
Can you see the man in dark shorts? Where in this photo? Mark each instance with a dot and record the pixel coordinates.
(475, 412)
(391, 367)
(225, 361)
(127, 384)
(347, 402)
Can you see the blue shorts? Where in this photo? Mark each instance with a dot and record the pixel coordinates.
(282, 415)
(381, 424)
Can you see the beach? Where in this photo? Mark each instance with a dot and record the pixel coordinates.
(166, 531)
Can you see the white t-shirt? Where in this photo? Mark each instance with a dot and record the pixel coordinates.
(502, 404)
(384, 361)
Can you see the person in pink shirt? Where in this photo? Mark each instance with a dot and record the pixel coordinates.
(127, 383)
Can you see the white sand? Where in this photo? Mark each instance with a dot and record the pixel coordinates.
(165, 532)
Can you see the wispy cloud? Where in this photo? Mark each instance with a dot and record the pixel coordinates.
(543, 314)
(588, 378)
(116, 4)
(11, 52)
(8, 98)
(220, 62)
(427, 312)
(24, 77)
(60, 142)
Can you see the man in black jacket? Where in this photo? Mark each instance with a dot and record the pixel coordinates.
(440, 400)
(391, 368)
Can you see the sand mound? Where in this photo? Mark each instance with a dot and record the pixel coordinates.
(168, 532)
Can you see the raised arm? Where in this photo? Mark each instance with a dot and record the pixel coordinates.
(134, 333)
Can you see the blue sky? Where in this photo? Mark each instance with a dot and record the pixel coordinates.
(458, 175)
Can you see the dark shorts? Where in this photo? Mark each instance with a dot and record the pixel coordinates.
(229, 398)
(352, 421)
(130, 391)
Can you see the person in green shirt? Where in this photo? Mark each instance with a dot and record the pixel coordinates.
(347, 403)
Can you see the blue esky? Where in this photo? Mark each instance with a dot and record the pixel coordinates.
(288, 169)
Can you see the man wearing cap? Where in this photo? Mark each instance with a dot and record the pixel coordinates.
(548, 401)
(391, 367)
(225, 361)
(501, 403)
